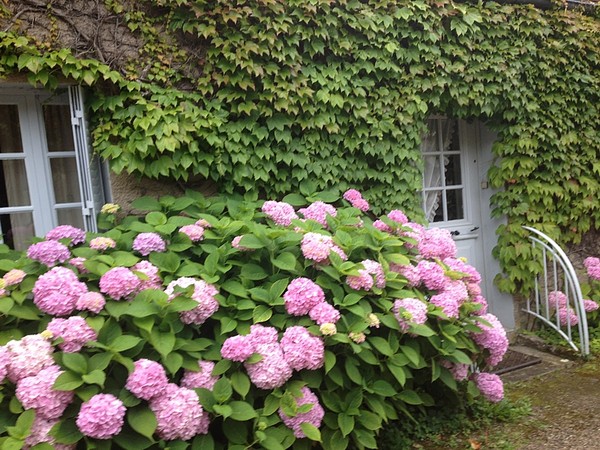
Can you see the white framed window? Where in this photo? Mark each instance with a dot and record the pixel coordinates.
(443, 180)
(45, 166)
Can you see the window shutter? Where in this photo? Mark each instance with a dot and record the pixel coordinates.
(82, 154)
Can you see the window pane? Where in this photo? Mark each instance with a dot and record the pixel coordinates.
(57, 121)
(65, 180)
(454, 202)
(17, 229)
(433, 173)
(453, 175)
(10, 130)
(434, 211)
(13, 180)
(70, 216)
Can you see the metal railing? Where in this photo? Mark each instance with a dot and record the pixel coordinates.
(557, 300)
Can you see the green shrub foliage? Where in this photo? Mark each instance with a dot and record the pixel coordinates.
(376, 361)
(263, 96)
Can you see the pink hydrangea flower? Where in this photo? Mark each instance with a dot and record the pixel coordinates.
(459, 371)
(200, 379)
(279, 212)
(301, 349)
(447, 303)
(272, 371)
(49, 253)
(432, 275)
(235, 243)
(4, 361)
(398, 216)
(490, 385)
(323, 313)
(145, 243)
(79, 264)
(179, 414)
(76, 235)
(194, 232)
(557, 299)
(410, 311)
(314, 416)
(91, 301)
(101, 417)
(120, 283)
(27, 356)
(36, 392)
(492, 338)
(40, 433)
(382, 226)
(203, 223)
(371, 275)
(204, 294)
(589, 305)
(458, 265)
(318, 211)
(356, 200)
(13, 277)
(484, 305)
(567, 317)
(302, 295)
(150, 279)
(592, 266)
(56, 292)
(316, 247)
(148, 379)
(237, 348)
(364, 281)
(74, 331)
(102, 243)
(408, 271)
(259, 334)
(437, 243)
(413, 231)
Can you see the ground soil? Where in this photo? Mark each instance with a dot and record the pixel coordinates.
(565, 413)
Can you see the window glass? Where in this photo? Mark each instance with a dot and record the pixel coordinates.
(57, 122)
(10, 130)
(65, 180)
(13, 180)
(17, 229)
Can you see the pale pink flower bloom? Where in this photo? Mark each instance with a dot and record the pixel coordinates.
(490, 385)
(314, 416)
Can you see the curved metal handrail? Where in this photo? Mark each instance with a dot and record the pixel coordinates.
(571, 287)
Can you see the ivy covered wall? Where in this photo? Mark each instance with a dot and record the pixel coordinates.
(273, 96)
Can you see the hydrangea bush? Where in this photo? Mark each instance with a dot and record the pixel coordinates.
(237, 323)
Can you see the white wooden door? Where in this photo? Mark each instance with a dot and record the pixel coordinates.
(456, 197)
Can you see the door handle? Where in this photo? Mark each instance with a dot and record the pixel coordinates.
(455, 233)
(474, 229)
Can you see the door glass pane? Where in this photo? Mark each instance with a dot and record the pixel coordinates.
(17, 229)
(433, 172)
(13, 180)
(453, 175)
(65, 180)
(10, 130)
(57, 121)
(454, 204)
(433, 205)
(70, 216)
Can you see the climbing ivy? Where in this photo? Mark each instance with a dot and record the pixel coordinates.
(271, 97)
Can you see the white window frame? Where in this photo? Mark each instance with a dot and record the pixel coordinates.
(37, 159)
